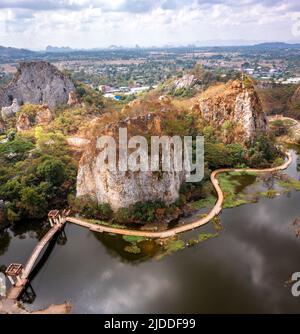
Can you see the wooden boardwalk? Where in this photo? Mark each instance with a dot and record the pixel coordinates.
(16, 290)
(186, 227)
(59, 221)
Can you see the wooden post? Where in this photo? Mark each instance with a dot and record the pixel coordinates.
(11, 280)
(14, 272)
(19, 279)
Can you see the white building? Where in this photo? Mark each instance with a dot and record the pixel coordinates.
(292, 81)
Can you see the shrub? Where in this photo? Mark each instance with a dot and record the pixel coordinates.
(89, 208)
(266, 146)
(122, 216)
(217, 155)
(237, 153)
(16, 149)
(145, 211)
(36, 175)
(279, 128)
(32, 204)
(52, 170)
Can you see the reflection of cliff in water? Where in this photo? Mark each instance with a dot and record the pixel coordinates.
(35, 229)
(116, 245)
(4, 242)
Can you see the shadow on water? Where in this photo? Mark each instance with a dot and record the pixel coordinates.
(59, 238)
(4, 242)
(125, 251)
(243, 270)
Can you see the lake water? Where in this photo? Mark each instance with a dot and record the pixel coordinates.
(245, 269)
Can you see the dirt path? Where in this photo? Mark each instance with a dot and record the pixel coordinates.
(187, 227)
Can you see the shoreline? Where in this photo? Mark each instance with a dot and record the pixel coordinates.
(215, 211)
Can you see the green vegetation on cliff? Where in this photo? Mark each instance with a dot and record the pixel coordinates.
(37, 173)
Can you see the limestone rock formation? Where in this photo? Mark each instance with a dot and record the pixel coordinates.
(2, 126)
(37, 83)
(122, 189)
(38, 115)
(187, 81)
(7, 112)
(73, 100)
(44, 115)
(78, 142)
(23, 123)
(236, 103)
(165, 99)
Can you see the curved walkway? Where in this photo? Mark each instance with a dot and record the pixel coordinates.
(187, 227)
(18, 288)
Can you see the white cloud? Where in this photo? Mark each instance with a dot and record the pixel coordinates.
(97, 23)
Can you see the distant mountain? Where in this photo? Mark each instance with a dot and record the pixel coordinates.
(276, 45)
(14, 53)
(57, 49)
(115, 47)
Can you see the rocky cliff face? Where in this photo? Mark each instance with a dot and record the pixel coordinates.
(2, 126)
(37, 83)
(7, 112)
(233, 102)
(187, 81)
(236, 103)
(38, 115)
(73, 99)
(122, 189)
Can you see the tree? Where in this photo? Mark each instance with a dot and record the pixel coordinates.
(32, 203)
(53, 171)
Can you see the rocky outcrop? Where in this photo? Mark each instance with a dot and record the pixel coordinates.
(165, 99)
(235, 105)
(23, 123)
(7, 112)
(2, 126)
(37, 83)
(78, 142)
(33, 115)
(187, 81)
(73, 99)
(43, 116)
(9, 306)
(122, 189)
(296, 96)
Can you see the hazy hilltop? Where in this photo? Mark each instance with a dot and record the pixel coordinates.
(52, 52)
(56, 49)
(8, 53)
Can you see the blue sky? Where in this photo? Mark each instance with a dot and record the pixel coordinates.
(100, 23)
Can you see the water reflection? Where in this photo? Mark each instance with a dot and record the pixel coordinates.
(4, 242)
(116, 246)
(243, 270)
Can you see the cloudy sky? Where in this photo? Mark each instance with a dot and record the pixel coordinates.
(35, 24)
